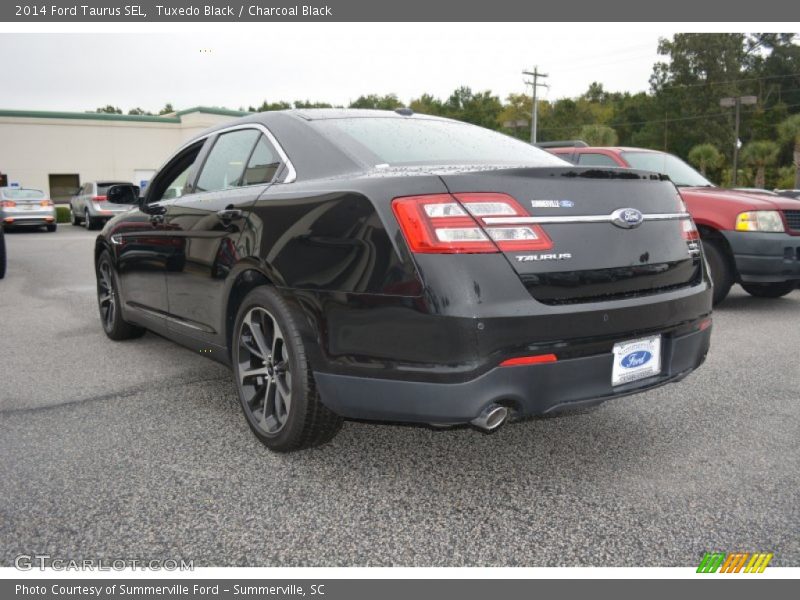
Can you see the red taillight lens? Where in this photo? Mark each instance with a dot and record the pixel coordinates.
(689, 230)
(8, 204)
(99, 198)
(46, 203)
(437, 224)
(537, 359)
(442, 223)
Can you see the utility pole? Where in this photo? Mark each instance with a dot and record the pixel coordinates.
(534, 83)
(736, 103)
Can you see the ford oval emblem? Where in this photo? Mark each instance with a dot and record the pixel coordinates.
(639, 358)
(627, 218)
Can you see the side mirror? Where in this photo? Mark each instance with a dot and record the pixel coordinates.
(123, 194)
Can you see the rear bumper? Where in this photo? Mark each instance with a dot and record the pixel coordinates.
(765, 257)
(28, 220)
(530, 390)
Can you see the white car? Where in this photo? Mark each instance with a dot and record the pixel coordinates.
(90, 206)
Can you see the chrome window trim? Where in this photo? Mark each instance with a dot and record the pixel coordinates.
(578, 219)
(291, 174)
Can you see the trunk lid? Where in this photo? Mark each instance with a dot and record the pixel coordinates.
(589, 257)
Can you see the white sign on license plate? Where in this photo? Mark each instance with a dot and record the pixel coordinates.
(636, 359)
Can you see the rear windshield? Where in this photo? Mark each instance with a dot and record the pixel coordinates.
(397, 141)
(22, 194)
(678, 171)
(102, 188)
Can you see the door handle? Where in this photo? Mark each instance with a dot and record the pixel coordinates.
(229, 214)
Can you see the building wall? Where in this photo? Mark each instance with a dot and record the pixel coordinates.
(32, 148)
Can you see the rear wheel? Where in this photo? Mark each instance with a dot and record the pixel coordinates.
(719, 268)
(273, 377)
(108, 301)
(88, 221)
(770, 290)
(52, 227)
(76, 220)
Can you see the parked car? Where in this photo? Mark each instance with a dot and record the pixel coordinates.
(2, 254)
(90, 206)
(23, 207)
(390, 266)
(750, 239)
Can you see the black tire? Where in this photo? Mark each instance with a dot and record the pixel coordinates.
(52, 227)
(279, 398)
(2, 254)
(770, 290)
(108, 301)
(89, 221)
(720, 269)
(76, 220)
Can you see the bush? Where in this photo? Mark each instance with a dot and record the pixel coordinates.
(63, 214)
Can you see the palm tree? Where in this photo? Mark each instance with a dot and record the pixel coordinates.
(598, 135)
(789, 132)
(760, 155)
(704, 157)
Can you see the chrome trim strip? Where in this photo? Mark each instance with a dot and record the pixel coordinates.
(577, 219)
(291, 175)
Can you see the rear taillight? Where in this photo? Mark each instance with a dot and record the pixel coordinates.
(99, 199)
(445, 224)
(46, 203)
(8, 204)
(536, 359)
(689, 230)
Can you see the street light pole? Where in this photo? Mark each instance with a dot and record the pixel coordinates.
(534, 106)
(736, 103)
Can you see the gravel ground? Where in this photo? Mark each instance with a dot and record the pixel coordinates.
(139, 450)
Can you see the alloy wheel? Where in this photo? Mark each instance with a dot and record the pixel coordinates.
(106, 295)
(263, 371)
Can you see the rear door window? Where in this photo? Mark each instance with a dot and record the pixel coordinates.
(225, 165)
(263, 164)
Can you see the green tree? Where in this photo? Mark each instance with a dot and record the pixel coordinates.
(427, 105)
(705, 157)
(310, 104)
(139, 111)
(111, 110)
(387, 102)
(760, 155)
(598, 135)
(167, 109)
(789, 133)
(265, 106)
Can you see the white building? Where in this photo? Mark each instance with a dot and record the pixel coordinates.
(59, 151)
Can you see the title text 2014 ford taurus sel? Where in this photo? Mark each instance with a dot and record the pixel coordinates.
(390, 266)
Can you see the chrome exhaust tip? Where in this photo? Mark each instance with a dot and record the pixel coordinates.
(491, 417)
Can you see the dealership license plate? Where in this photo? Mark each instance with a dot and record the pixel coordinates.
(636, 359)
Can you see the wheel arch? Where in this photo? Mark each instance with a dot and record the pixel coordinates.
(707, 232)
(248, 277)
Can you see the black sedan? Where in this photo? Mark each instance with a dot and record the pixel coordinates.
(392, 266)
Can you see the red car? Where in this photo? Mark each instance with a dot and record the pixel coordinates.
(750, 239)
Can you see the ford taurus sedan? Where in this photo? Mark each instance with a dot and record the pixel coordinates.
(23, 207)
(392, 266)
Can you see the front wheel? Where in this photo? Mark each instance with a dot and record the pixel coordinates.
(770, 290)
(108, 301)
(719, 268)
(273, 377)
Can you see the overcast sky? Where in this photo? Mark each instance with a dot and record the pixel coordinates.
(326, 62)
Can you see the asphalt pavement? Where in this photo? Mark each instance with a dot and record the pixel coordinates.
(138, 449)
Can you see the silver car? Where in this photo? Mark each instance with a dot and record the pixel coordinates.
(26, 208)
(90, 206)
